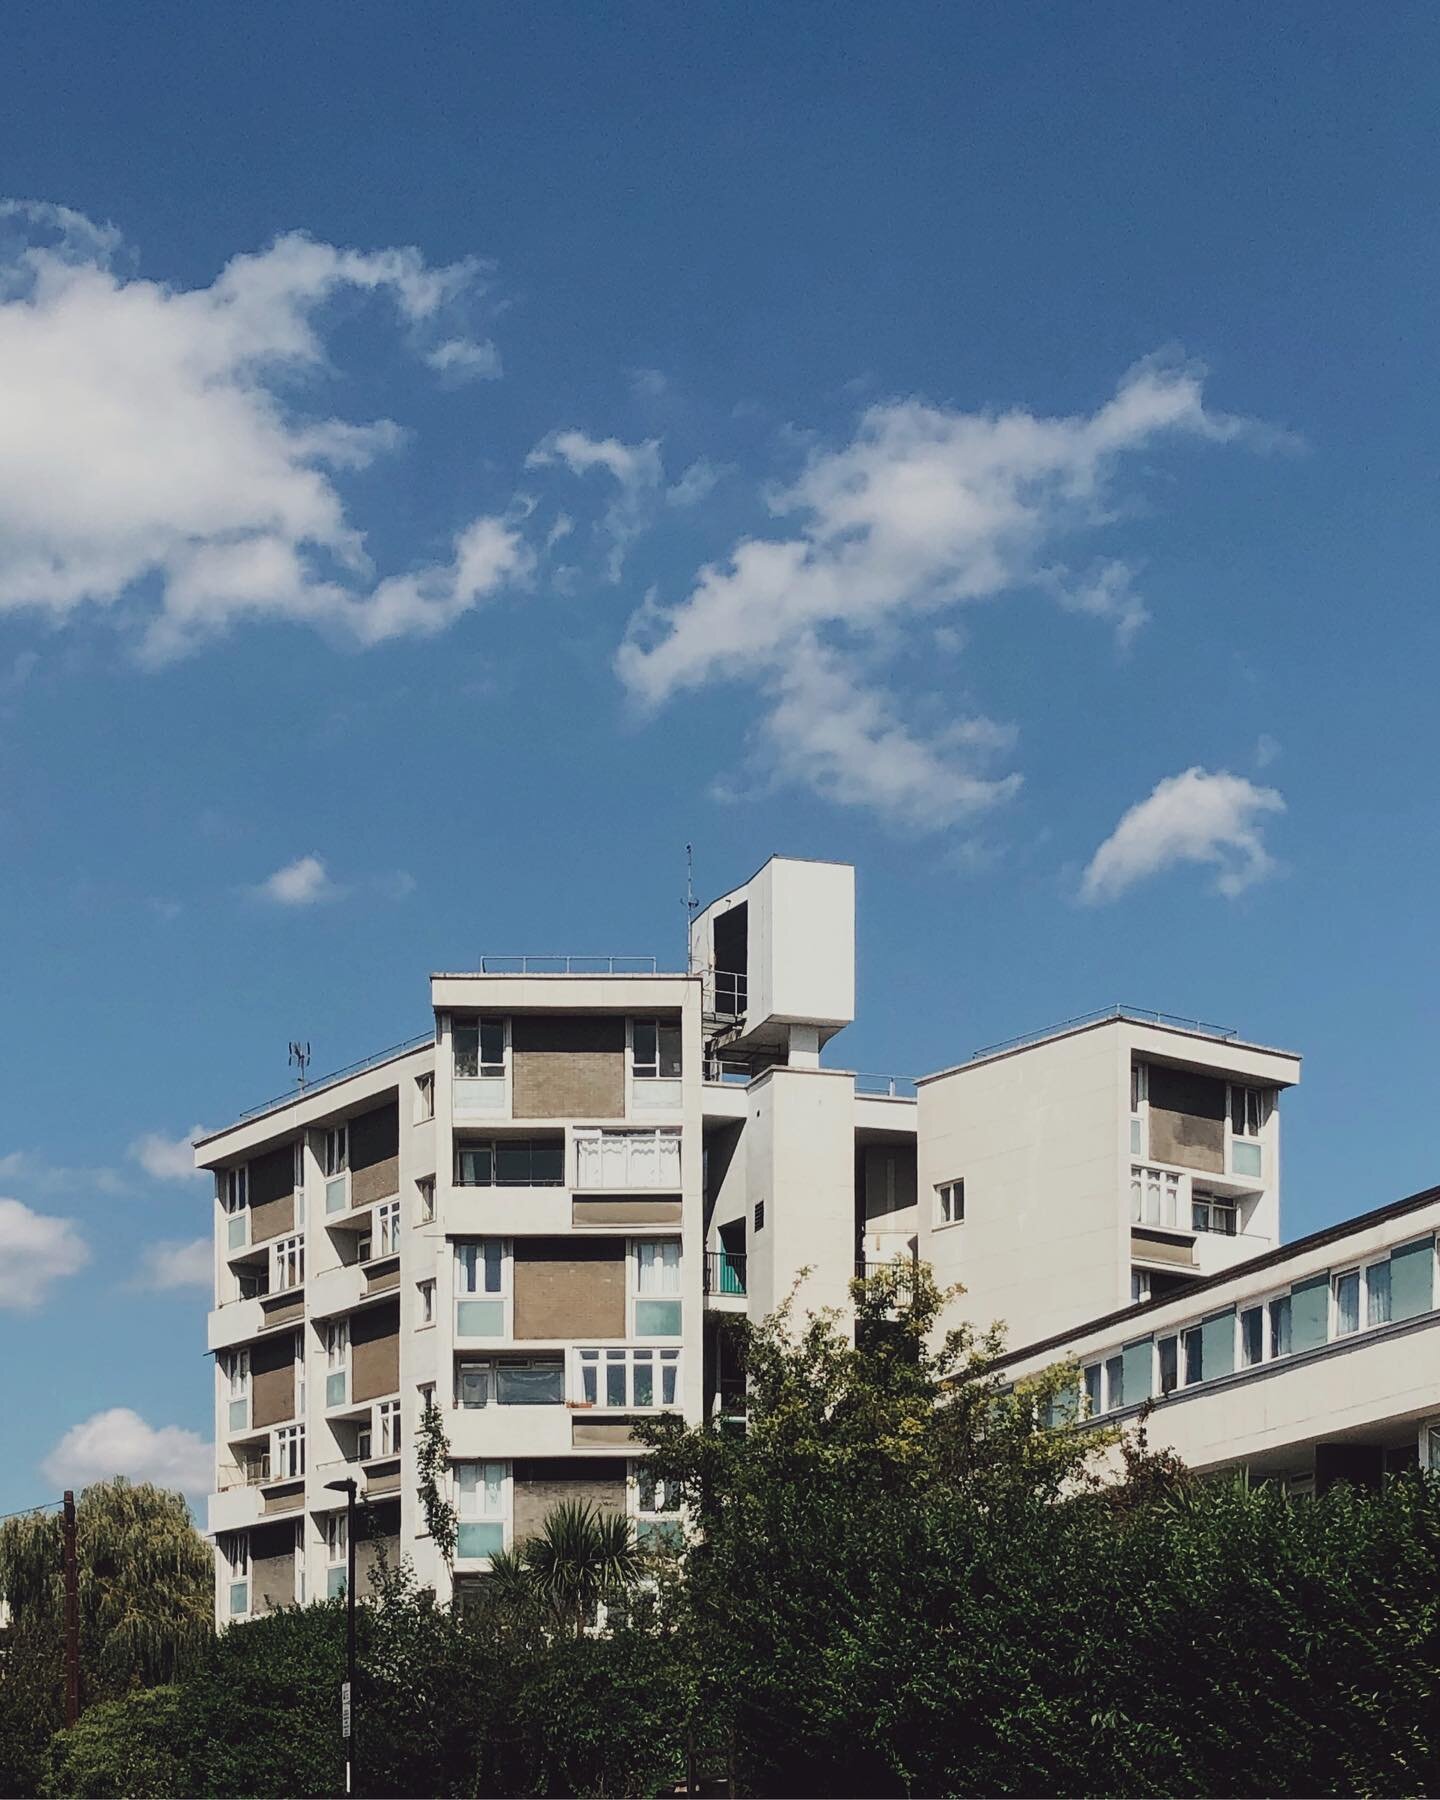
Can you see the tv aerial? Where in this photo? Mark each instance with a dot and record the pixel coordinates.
(299, 1060)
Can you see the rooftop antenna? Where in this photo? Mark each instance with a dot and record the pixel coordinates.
(299, 1060)
(692, 906)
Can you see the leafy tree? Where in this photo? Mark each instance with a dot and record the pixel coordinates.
(580, 1558)
(432, 1462)
(127, 1747)
(146, 1582)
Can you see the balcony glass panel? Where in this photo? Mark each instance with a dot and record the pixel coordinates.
(478, 1097)
(337, 1194)
(485, 1538)
(235, 1231)
(239, 1414)
(1244, 1158)
(239, 1598)
(335, 1388)
(480, 1318)
(657, 1318)
(335, 1582)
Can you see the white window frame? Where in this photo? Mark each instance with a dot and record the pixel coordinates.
(425, 1304)
(424, 1098)
(300, 1561)
(386, 1426)
(337, 1150)
(1260, 1102)
(1139, 1286)
(1243, 1308)
(481, 1267)
(425, 1198)
(235, 1373)
(615, 1159)
(1269, 1302)
(653, 1071)
(337, 1358)
(666, 1262)
(287, 1263)
(1092, 1389)
(491, 1360)
(287, 1453)
(1352, 1271)
(237, 1566)
(1211, 1202)
(1367, 1273)
(590, 1386)
(300, 1373)
(235, 1189)
(386, 1229)
(470, 1503)
(337, 1541)
(1170, 1190)
(667, 1490)
(1139, 1107)
(484, 1071)
(950, 1202)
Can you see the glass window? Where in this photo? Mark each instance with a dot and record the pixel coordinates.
(474, 1384)
(426, 1292)
(337, 1150)
(425, 1188)
(1280, 1325)
(1194, 1344)
(654, 1494)
(1208, 1212)
(1154, 1197)
(1252, 1336)
(529, 1162)
(479, 1266)
(424, 1098)
(289, 1254)
(387, 1222)
(1169, 1365)
(289, 1452)
(657, 1267)
(1347, 1302)
(950, 1202)
(1248, 1107)
(1377, 1294)
(1139, 1286)
(1114, 1382)
(389, 1416)
(538, 1381)
(629, 1378)
(1093, 1401)
(479, 1047)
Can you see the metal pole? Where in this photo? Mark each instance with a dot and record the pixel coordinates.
(72, 1612)
(350, 1781)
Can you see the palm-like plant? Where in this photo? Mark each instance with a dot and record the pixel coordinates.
(146, 1582)
(581, 1557)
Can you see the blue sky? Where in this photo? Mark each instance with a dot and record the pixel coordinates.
(448, 462)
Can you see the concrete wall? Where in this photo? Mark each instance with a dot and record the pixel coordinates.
(799, 1151)
(1040, 1139)
(569, 1288)
(568, 1067)
(1187, 1118)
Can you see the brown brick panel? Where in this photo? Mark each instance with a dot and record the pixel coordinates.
(272, 1193)
(288, 1499)
(375, 1351)
(568, 1068)
(375, 1154)
(566, 1288)
(602, 1434)
(272, 1380)
(1187, 1119)
(625, 1213)
(541, 1485)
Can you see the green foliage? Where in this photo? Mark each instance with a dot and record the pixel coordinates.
(432, 1463)
(146, 1580)
(580, 1559)
(122, 1747)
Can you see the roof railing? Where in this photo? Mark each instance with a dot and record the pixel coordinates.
(328, 1081)
(886, 1087)
(1140, 1015)
(571, 965)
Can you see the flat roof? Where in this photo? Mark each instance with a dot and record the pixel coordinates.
(1267, 1259)
(1110, 1015)
(396, 1053)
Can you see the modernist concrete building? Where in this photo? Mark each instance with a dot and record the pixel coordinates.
(537, 1213)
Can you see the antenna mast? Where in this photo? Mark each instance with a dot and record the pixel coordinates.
(299, 1060)
(692, 906)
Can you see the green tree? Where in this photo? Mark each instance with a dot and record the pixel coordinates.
(580, 1558)
(128, 1747)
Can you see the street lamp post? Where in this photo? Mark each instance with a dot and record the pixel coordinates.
(347, 1693)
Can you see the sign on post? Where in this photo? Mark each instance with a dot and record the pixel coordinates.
(345, 1709)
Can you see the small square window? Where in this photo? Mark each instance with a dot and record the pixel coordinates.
(424, 1098)
(950, 1203)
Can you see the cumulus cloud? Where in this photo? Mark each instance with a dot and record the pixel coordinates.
(151, 441)
(119, 1442)
(169, 1265)
(636, 470)
(694, 485)
(1194, 817)
(304, 882)
(925, 510)
(168, 1159)
(1107, 593)
(36, 1251)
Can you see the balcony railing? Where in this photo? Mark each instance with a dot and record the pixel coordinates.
(728, 1074)
(887, 1087)
(725, 1272)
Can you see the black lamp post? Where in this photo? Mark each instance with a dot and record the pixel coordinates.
(347, 1727)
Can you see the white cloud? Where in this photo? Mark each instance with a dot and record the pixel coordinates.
(119, 1442)
(178, 1265)
(36, 1250)
(1108, 593)
(168, 1159)
(925, 510)
(304, 882)
(1195, 817)
(694, 485)
(1267, 749)
(636, 470)
(462, 359)
(151, 440)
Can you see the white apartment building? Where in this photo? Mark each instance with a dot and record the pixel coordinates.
(533, 1215)
(538, 1213)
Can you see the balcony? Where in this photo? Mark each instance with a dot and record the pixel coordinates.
(725, 1274)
